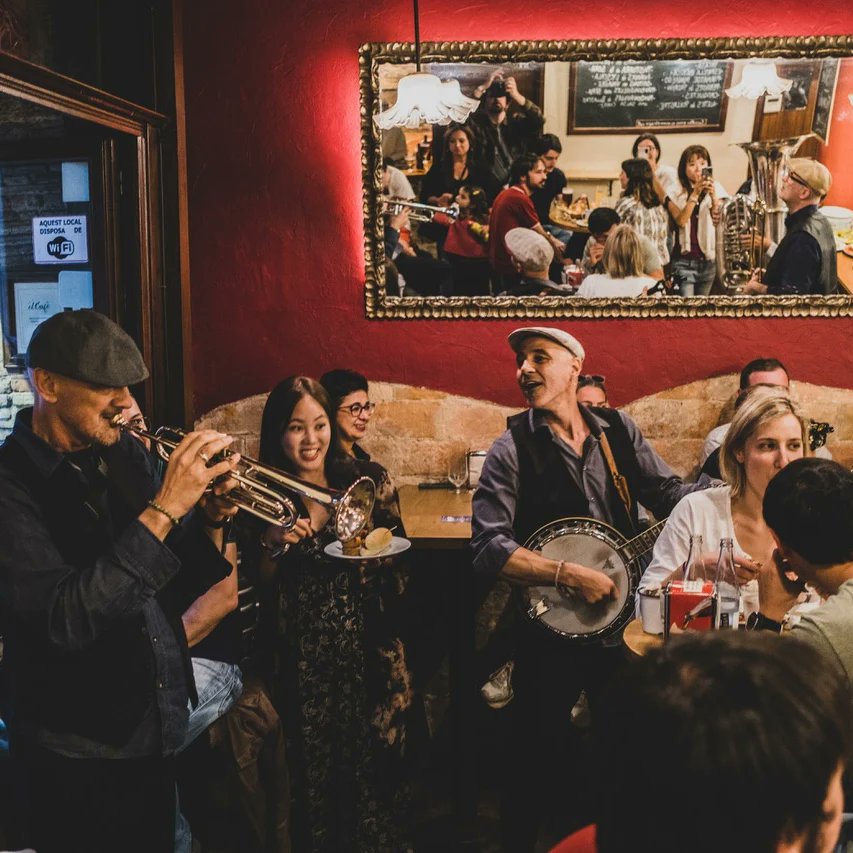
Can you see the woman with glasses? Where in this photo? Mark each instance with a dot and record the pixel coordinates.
(348, 392)
(339, 669)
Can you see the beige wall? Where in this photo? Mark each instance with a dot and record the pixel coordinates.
(416, 430)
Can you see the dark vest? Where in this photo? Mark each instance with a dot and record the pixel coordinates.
(546, 489)
(104, 690)
(816, 225)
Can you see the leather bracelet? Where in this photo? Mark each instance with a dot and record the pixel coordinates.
(176, 522)
(557, 573)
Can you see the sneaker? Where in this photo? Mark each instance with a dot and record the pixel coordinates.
(497, 691)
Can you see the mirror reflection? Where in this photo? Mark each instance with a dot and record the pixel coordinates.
(672, 178)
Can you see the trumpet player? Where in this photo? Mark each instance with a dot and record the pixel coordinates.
(99, 559)
(804, 262)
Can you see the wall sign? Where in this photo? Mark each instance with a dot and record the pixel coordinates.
(60, 239)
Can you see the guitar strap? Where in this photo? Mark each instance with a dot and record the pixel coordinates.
(618, 480)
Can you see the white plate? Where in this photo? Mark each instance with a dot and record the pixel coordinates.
(398, 545)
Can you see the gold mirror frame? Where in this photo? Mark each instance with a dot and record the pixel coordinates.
(380, 306)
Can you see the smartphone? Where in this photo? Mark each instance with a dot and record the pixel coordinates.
(707, 172)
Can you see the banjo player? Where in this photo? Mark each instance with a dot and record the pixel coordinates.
(558, 460)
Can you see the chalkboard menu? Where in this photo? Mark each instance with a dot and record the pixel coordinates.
(825, 98)
(631, 96)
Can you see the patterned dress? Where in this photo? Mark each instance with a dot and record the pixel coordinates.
(344, 688)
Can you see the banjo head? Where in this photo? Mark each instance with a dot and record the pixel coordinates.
(595, 545)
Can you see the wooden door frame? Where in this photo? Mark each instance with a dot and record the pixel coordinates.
(26, 81)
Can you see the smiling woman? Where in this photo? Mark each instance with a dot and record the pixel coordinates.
(598, 98)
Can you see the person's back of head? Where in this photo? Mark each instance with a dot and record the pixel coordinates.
(737, 736)
(602, 219)
(623, 253)
(809, 506)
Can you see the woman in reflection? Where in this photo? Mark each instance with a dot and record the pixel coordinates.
(623, 261)
(339, 670)
(696, 210)
(449, 173)
(640, 207)
(646, 145)
(768, 432)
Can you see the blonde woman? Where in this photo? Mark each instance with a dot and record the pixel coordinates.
(768, 432)
(623, 261)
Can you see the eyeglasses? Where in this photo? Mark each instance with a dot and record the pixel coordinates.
(357, 408)
(793, 176)
(590, 379)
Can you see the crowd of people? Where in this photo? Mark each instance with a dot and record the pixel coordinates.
(124, 662)
(502, 155)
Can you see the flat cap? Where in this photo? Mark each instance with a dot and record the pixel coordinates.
(564, 339)
(87, 346)
(530, 249)
(813, 174)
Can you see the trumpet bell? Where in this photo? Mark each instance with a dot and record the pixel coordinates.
(354, 508)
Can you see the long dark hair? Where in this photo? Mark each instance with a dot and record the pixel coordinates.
(446, 161)
(277, 414)
(691, 151)
(640, 186)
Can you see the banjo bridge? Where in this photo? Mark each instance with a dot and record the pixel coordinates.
(539, 608)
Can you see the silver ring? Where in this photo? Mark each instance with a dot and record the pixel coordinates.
(204, 456)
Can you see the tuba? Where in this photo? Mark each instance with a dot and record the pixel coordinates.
(261, 489)
(745, 222)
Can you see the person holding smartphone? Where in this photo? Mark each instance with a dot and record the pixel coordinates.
(695, 209)
(647, 147)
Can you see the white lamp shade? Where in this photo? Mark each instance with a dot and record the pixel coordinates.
(423, 99)
(759, 78)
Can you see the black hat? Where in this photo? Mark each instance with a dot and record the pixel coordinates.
(88, 346)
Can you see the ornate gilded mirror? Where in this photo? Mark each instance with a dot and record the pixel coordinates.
(597, 97)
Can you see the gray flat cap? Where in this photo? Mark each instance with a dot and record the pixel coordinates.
(88, 346)
(558, 336)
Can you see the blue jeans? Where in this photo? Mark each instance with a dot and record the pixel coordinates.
(692, 276)
(218, 685)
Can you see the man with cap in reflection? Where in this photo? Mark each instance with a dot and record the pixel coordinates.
(99, 560)
(532, 255)
(804, 262)
(551, 463)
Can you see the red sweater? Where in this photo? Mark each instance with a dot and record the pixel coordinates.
(513, 208)
(582, 841)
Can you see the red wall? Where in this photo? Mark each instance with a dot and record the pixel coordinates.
(275, 202)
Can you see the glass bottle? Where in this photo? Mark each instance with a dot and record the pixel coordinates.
(694, 567)
(727, 592)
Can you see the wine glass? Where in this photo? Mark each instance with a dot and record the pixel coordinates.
(457, 471)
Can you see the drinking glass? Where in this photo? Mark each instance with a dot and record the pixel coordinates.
(457, 471)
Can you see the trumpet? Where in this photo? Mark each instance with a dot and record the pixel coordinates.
(416, 210)
(260, 489)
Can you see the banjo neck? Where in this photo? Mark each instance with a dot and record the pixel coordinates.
(641, 544)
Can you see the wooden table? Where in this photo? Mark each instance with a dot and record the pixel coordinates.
(845, 272)
(443, 547)
(425, 510)
(637, 641)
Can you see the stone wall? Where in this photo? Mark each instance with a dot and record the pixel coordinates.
(415, 431)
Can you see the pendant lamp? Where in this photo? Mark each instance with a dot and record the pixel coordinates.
(759, 78)
(424, 99)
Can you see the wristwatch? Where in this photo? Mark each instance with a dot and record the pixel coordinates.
(759, 622)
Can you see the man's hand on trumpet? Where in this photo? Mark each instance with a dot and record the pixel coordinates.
(188, 476)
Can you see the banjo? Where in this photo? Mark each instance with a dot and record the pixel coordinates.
(595, 545)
